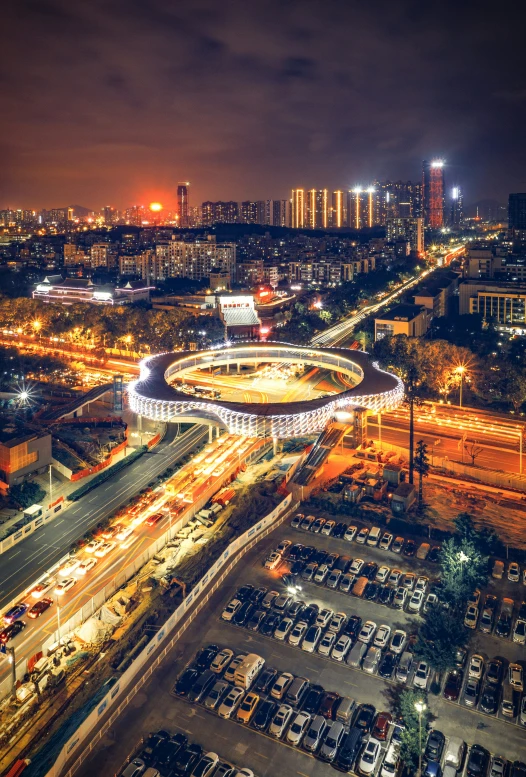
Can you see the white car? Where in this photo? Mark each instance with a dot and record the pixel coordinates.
(367, 632)
(382, 636)
(382, 574)
(42, 588)
(514, 572)
(92, 546)
(70, 566)
(281, 685)
(280, 721)
(328, 527)
(273, 561)
(297, 633)
(431, 601)
(65, 585)
(324, 617)
(321, 573)
(416, 601)
(104, 549)
(372, 659)
(298, 728)
(86, 566)
(337, 621)
(231, 609)
(394, 577)
(400, 598)
(311, 639)
(398, 641)
(230, 703)
(409, 581)
(421, 584)
(519, 632)
(356, 566)
(230, 672)
(361, 538)
(515, 677)
(421, 677)
(471, 617)
(283, 546)
(476, 666)
(124, 533)
(325, 646)
(350, 533)
(222, 660)
(397, 545)
(341, 648)
(474, 599)
(370, 757)
(386, 541)
(282, 631)
(206, 765)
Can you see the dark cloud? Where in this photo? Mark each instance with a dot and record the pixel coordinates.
(113, 101)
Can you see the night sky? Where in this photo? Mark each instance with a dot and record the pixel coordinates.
(113, 101)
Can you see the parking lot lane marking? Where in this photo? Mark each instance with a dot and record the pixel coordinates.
(260, 754)
(302, 774)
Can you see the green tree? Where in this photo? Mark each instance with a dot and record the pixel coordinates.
(439, 637)
(464, 568)
(27, 494)
(484, 538)
(415, 733)
(421, 465)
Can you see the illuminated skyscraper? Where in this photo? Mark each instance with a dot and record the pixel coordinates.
(318, 208)
(297, 209)
(433, 193)
(457, 202)
(337, 211)
(183, 203)
(362, 207)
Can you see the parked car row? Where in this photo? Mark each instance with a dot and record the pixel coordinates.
(166, 755)
(490, 617)
(447, 757)
(291, 709)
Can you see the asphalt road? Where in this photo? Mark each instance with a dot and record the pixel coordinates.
(24, 563)
(154, 707)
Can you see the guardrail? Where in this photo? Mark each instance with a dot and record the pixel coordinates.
(217, 573)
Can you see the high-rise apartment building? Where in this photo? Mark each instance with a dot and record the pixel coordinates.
(456, 213)
(408, 229)
(317, 212)
(183, 203)
(433, 193)
(182, 259)
(280, 213)
(338, 209)
(255, 212)
(103, 255)
(135, 215)
(219, 213)
(517, 216)
(297, 209)
(362, 207)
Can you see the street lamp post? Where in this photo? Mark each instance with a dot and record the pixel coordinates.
(420, 707)
(462, 557)
(460, 371)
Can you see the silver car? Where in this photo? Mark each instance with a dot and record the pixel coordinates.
(332, 741)
(216, 695)
(314, 735)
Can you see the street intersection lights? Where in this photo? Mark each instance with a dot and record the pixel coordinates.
(420, 707)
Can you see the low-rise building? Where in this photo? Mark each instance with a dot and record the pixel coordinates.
(503, 303)
(409, 320)
(67, 291)
(22, 455)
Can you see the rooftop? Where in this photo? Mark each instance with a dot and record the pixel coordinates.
(402, 313)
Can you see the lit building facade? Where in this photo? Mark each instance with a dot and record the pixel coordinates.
(183, 203)
(433, 193)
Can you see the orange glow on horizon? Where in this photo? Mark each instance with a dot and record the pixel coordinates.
(155, 207)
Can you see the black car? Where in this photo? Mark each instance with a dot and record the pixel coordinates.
(503, 627)
(331, 559)
(244, 593)
(349, 750)
(307, 553)
(370, 592)
(434, 554)
(478, 762)
(320, 557)
(258, 595)
(364, 717)
(296, 610)
(435, 744)
(387, 665)
(297, 568)
(353, 626)
(339, 530)
(489, 701)
(269, 624)
(152, 743)
(187, 759)
(494, 670)
(244, 613)
(310, 614)
(186, 681)
(264, 714)
(294, 552)
(522, 612)
(256, 619)
(205, 657)
(369, 570)
(169, 749)
(265, 680)
(11, 631)
(518, 769)
(409, 548)
(313, 699)
(386, 595)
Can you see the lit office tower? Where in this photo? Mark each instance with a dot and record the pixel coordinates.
(362, 207)
(337, 214)
(183, 203)
(297, 209)
(318, 208)
(457, 201)
(433, 193)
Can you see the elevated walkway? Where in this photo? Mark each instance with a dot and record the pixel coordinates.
(325, 443)
(70, 408)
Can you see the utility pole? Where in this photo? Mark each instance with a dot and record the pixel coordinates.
(51, 482)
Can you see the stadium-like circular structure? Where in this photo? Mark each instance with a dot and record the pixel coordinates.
(152, 395)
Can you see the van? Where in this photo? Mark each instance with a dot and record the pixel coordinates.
(345, 709)
(403, 670)
(374, 536)
(248, 670)
(355, 657)
(297, 690)
(423, 550)
(498, 570)
(507, 705)
(359, 587)
(349, 749)
(455, 751)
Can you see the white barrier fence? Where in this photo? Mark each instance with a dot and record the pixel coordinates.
(218, 571)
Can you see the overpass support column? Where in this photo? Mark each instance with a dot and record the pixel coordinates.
(275, 445)
(238, 367)
(218, 432)
(210, 433)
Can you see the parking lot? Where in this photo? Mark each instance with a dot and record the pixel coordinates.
(156, 707)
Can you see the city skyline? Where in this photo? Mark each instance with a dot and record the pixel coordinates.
(246, 102)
